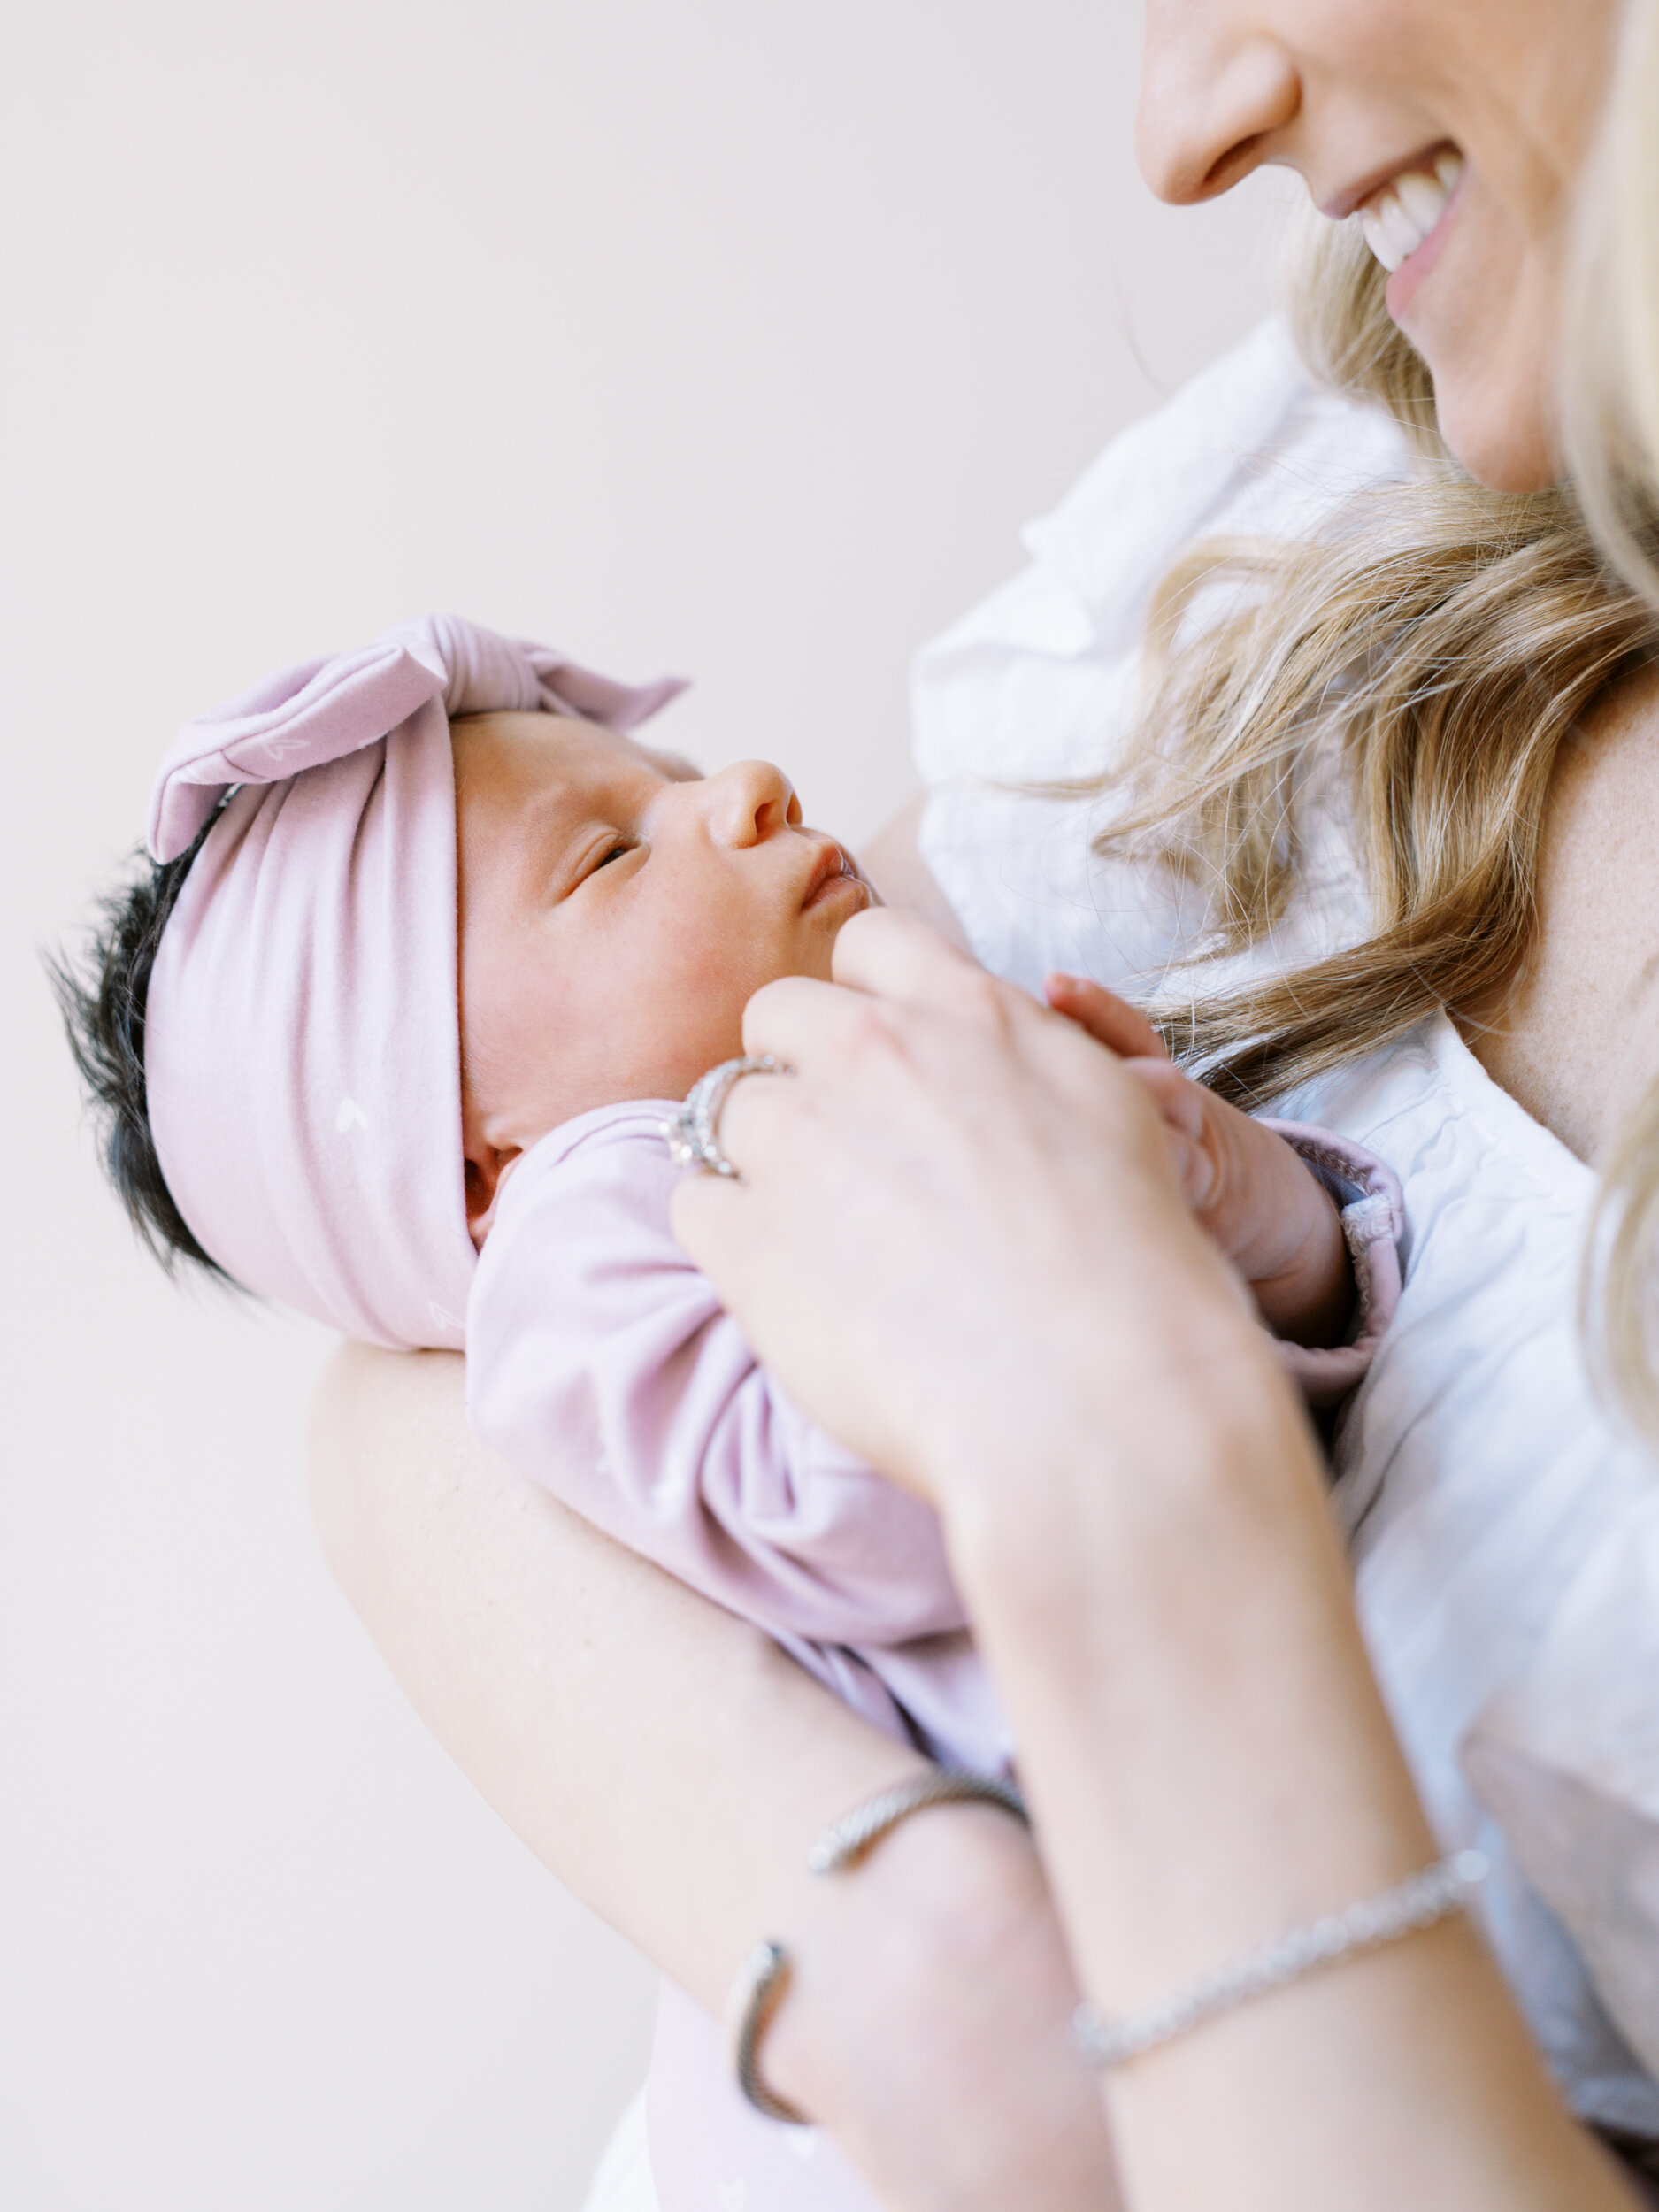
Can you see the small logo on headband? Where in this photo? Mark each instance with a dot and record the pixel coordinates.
(349, 1116)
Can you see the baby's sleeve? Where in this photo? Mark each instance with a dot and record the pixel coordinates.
(1372, 1208)
(601, 1362)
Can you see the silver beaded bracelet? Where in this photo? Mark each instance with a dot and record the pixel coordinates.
(762, 1980)
(1429, 1896)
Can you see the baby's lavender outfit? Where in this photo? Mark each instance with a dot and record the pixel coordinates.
(601, 1362)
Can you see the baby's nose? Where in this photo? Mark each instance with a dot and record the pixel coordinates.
(751, 801)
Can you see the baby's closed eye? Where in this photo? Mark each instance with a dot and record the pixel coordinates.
(604, 853)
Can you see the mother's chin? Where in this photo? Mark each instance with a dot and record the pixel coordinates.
(1517, 450)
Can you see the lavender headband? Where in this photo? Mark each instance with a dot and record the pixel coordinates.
(301, 1054)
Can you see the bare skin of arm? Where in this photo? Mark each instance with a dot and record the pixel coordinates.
(671, 1766)
(1136, 1516)
(1403, 2078)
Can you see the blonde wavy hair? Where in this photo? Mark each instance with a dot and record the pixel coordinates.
(1427, 653)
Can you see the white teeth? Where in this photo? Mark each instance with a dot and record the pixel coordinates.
(1377, 238)
(1422, 198)
(1403, 235)
(1400, 218)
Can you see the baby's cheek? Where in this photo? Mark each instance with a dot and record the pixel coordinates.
(700, 1027)
(705, 982)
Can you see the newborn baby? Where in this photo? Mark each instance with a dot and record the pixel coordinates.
(430, 950)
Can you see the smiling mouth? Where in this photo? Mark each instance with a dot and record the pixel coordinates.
(1398, 217)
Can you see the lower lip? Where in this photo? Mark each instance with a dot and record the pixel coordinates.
(1407, 280)
(833, 887)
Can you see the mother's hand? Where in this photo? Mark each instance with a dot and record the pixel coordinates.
(958, 1231)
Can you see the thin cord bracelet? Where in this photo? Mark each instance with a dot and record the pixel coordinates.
(1426, 1898)
(762, 1980)
(855, 1835)
(762, 1985)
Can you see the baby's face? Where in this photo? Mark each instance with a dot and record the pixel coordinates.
(615, 918)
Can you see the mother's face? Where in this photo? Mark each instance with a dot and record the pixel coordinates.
(1366, 99)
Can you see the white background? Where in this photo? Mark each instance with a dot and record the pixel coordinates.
(733, 337)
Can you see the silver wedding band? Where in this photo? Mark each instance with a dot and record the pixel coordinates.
(693, 1138)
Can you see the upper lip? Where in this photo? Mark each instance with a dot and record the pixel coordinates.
(1355, 196)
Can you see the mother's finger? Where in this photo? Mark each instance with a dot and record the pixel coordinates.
(1111, 1021)
(895, 954)
(803, 1023)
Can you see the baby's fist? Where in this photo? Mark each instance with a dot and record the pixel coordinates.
(1256, 1197)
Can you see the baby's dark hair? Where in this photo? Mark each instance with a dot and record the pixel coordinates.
(103, 992)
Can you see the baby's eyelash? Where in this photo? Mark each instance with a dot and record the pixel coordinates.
(614, 851)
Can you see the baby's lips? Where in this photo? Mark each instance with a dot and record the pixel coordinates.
(836, 865)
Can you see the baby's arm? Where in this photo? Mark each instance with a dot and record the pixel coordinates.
(1254, 1186)
(601, 1362)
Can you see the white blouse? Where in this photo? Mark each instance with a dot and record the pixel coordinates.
(1503, 1522)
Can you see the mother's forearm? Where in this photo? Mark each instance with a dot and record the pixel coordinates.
(1211, 1766)
(661, 1756)
(673, 1767)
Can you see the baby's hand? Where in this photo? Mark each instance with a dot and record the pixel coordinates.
(1260, 1201)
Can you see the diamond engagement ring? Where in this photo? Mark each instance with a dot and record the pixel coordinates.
(693, 1134)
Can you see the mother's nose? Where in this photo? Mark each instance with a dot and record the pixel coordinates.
(1218, 91)
(749, 802)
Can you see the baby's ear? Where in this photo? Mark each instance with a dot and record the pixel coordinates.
(486, 1173)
